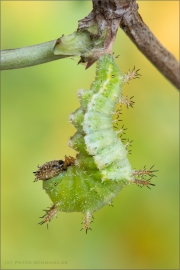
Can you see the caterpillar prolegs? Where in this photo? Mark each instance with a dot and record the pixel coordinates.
(101, 168)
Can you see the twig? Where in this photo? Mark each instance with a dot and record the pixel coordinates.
(29, 56)
(133, 25)
(107, 15)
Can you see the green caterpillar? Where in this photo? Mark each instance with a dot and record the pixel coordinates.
(101, 168)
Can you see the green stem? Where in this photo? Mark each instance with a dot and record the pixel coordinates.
(29, 56)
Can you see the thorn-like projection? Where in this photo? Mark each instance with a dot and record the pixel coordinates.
(127, 101)
(50, 213)
(142, 183)
(142, 173)
(87, 220)
(128, 144)
(121, 130)
(118, 112)
(130, 75)
(110, 204)
(117, 120)
(141, 177)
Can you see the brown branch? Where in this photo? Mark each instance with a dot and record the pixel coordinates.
(132, 24)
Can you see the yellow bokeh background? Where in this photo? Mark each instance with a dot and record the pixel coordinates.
(141, 230)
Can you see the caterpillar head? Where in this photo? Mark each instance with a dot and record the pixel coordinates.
(52, 168)
(49, 170)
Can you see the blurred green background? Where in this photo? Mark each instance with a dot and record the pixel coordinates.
(141, 230)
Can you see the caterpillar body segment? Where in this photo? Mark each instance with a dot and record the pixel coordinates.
(76, 190)
(101, 141)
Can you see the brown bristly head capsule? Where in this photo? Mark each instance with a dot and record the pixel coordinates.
(53, 168)
(49, 170)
